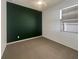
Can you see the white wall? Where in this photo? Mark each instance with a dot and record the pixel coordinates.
(51, 25)
(3, 26)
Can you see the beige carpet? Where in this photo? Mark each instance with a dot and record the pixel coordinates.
(39, 48)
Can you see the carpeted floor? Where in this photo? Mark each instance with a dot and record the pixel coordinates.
(39, 48)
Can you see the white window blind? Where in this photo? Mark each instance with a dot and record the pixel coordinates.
(69, 19)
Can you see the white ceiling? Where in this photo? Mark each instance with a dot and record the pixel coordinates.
(33, 3)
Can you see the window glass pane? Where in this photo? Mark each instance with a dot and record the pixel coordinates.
(71, 27)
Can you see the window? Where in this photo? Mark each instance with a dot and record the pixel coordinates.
(69, 19)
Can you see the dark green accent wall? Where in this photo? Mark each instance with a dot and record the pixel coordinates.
(23, 22)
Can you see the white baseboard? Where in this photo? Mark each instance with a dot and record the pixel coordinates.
(2, 51)
(23, 40)
(60, 43)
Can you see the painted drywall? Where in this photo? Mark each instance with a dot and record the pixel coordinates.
(51, 25)
(3, 26)
(33, 3)
(22, 22)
